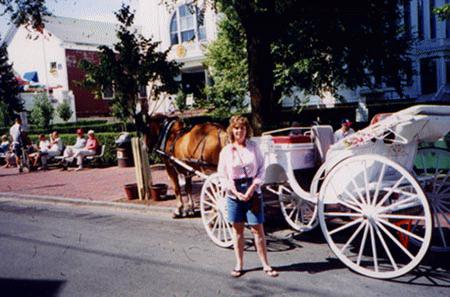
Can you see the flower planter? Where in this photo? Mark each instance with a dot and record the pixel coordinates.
(157, 191)
(131, 190)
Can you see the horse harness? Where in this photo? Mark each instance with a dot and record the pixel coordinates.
(164, 135)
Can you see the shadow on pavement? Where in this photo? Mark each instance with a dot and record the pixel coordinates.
(28, 288)
(433, 271)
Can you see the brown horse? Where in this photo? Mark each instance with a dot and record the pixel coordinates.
(199, 147)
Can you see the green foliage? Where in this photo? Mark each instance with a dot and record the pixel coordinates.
(25, 12)
(10, 102)
(64, 111)
(133, 62)
(180, 101)
(42, 112)
(226, 59)
(443, 12)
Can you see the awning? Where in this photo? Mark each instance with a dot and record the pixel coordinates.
(31, 76)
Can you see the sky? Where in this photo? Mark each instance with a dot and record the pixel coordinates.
(96, 10)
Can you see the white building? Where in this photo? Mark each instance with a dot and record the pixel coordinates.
(180, 27)
(54, 54)
(431, 53)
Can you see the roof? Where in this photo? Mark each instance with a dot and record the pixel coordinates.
(80, 31)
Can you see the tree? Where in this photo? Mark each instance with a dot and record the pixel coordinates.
(226, 60)
(64, 111)
(133, 62)
(443, 12)
(340, 43)
(26, 12)
(42, 112)
(9, 89)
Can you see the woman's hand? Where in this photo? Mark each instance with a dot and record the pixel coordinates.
(249, 194)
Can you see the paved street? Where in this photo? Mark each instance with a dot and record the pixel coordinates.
(69, 250)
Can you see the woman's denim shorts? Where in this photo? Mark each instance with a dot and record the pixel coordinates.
(241, 211)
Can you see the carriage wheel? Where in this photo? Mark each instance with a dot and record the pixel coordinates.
(432, 168)
(369, 210)
(213, 208)
(299, 213)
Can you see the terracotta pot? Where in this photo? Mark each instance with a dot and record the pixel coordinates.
(131, 190)
(157, 191)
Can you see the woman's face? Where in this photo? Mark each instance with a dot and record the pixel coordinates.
(239, 133)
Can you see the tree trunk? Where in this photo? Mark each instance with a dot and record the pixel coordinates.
(260, 80)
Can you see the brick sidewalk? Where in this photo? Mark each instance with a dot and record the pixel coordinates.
(101, 184)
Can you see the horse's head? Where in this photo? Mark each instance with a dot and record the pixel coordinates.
(154, 125)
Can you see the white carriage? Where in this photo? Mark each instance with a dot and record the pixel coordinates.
(375, 195)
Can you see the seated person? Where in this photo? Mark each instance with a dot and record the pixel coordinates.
(92, 144)
(344, 131)
(4, 145)
(55, 148)
(43, 148)
(295, 132)
(80, 143)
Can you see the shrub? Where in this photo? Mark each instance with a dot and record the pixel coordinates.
(42, 112)
(64, 111)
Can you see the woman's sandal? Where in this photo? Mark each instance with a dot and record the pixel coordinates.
(271, 272)
(236, 273)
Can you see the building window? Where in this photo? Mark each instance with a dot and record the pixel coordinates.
(432, 19)
(420, 19)
(107, 92)
(428, 76)
(187, 24)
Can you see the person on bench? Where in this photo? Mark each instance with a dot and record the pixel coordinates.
(80, 143)
(43, 148)
(55, 148)
(92, 144)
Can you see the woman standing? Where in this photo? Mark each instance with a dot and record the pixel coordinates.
(242, 164)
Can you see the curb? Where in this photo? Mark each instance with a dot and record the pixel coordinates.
(80, 201)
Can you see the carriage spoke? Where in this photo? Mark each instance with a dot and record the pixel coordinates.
(353, 198)
(212, 218)
(353, 236)
(401, 230)
(348, 225)
(436, 172)
(386, 249)
(210, 204)
(342, 214)
(374, 248)
(443, 182)
(395, 240)
(230, 232)
(401, 217)
(386, 196)
(366, 182)
(210, 196)
(377, 189)
(215, 226)
(438, 222)
(363, 243)
(399, 203)
(357, 192)
(348, 205)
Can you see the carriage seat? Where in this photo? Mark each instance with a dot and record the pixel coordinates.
(323, 138)
(291, 139)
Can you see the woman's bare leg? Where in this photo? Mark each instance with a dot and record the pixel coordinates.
(238, 232)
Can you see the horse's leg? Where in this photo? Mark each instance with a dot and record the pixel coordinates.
(173, 175)
(188, 188)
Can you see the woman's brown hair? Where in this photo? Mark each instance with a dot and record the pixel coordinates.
(238, 121)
